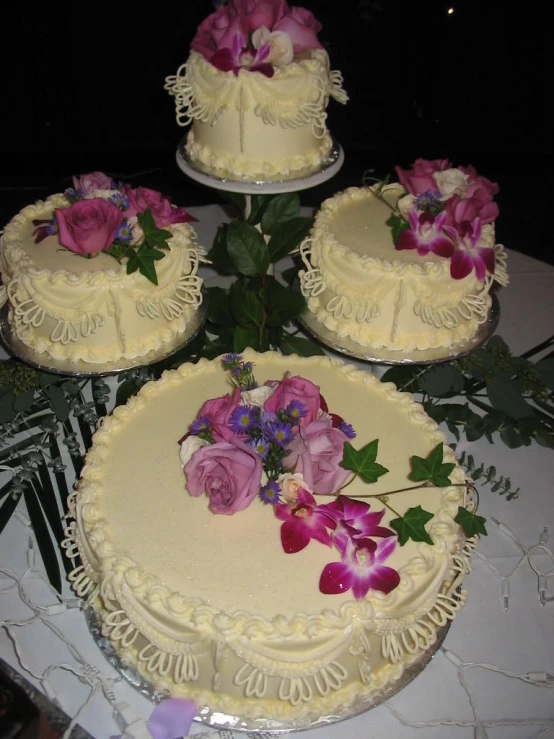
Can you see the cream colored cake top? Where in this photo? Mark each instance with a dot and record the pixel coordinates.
(137, 519)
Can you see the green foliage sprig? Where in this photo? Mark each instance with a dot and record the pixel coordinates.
(489, 393)
(257, 308)
(143, 255)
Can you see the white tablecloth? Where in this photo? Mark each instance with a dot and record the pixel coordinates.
(435, 705)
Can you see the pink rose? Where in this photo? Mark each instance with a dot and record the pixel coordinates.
(163, 212)
(465, 210)
(316, 452)
(217, 412)
(302, 28)
(298, 389)
(229, 473)
(260, 13)
(419, 179)
(88, 226)
(89, 183)
(218, 30)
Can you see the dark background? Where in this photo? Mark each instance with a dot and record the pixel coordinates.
(83, 90)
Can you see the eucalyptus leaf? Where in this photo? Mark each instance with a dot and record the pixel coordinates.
(58, 402)
(282, 208)
(511, 437)
(7, 411)
(285, 237)
(545, 438)
(545, 369)
(24, 401)
(125, 390)
(247, 249)
(8, 506)
(442, 379)
(504, 395)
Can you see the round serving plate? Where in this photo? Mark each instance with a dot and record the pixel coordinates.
(42, 361)
(344, 345)
(219, 720)
(203, 175)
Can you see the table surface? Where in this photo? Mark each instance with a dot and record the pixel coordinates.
(436, 704)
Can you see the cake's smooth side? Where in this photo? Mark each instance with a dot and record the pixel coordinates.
(250, 126)
(210, 607)
(397, 300)
(91, 310)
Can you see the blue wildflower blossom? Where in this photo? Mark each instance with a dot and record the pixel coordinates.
(199, 425)
(427, 200)
(243, 420)
(124, 232)
(296, 410)
(279, 433)
(270, 493)
(261, 446)
(347, 429)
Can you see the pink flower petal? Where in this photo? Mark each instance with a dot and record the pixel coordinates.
(335, 578)
(461, 265)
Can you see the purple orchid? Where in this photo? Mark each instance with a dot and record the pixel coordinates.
(427, 233)
(361, 569)
(354, 520)
(470, 255)
(239, 56)
(303, 521)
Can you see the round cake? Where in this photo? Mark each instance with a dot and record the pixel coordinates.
(384, 268)
(67, 267)
(282, 598)
(256, 88)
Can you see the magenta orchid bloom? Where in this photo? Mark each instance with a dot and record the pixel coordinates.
(354, 521)
(361, 569)
(470, 255)
(426, 234)
(240, 57)
(303, 521)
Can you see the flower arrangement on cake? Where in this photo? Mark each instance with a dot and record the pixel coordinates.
(108, 216)
(256, 35)
(448, 211)
(280, 443)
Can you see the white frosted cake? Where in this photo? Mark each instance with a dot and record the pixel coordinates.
(78, 300)
(289, 605)
(256, 87)
(430, 289)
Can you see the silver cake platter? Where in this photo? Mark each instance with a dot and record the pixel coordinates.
(219, 720)
(344, 345)
(41, 361)
(203, 175)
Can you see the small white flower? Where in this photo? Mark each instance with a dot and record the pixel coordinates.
(290, 483)
(405, 205)
(280, 45)
(257, 396)
(189, 446)
(451, 182)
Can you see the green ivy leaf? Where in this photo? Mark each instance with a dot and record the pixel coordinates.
(397, 225)
(282, 208)
(362, 462)
(247, 249)
(154, 237)
(412, 525)
(245, 306)
(302, 347)
(143, 259)
(287, 236)
(431, 469)
(471, 524)
(282, 304)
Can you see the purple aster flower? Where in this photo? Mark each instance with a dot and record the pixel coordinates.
(470, 255)
(120, 201)
(199, 425)
(427, 200)
(270, 493)
(43, 229)
(361, 569)
(261, 446)
(347, 430)
(426, 234)
(279, 433)
(296, 411)
(73, 195)
(124, 232)
(243, 419)
(231, 360)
